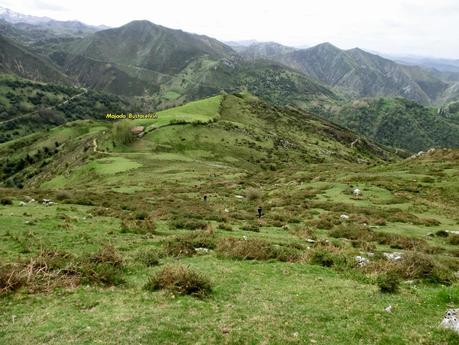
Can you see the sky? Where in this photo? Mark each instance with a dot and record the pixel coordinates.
(403, 27)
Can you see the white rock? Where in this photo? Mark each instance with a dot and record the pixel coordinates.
(239, 197)
(201, 250)
(388, 309)
(357, 192)
(226, 210)
(22, 203)
(344, 217)
(244, 238)
(451, 320)
(393, 256)
(362, 261)
(310, 240)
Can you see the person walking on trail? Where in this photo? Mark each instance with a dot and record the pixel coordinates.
(260, 211)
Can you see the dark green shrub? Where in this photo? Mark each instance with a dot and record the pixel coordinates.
(388, 282)
(442, 233)
(6, 201)
(322, 257)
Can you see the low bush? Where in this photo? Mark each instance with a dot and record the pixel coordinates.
(149, 257)
(246, 249)
(442, 233)
(186, 245)
(6, 201)
(253, 194)
(107, 255)
(181, 280)
(254, 227)
(352, 232)
(416, 265)
(454, 239)
(146, 226)
(11, 279)
(63, 195)
(388, 282)
(224, 226)
(329, 256)
(188, 223)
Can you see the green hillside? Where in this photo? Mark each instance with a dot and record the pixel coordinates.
(228, 130)
(132, 252)
(400, 123)
(27, 106)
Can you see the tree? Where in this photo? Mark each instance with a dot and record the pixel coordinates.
(122, 133)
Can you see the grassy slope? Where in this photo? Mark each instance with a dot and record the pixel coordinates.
(253, 301)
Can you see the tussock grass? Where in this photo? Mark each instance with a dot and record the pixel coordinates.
(181, 280)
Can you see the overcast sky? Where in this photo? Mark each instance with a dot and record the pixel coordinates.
(414, 27)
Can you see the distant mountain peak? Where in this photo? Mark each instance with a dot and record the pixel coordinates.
(16, 17)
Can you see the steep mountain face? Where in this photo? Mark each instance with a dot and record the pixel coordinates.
(146, 45)
(363, 74)
(264, 50)
(172, 67)
(355, 72)
(399, 123)
(18, 60)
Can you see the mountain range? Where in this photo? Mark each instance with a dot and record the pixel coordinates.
(156, 67)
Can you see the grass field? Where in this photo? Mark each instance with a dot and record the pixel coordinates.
(125, 214)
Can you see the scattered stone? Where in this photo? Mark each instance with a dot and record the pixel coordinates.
(22, 203)
(226, 210)
(388, 309)
(47, 202)
(357, 192)
(393, 256)
(361, 261)
(451, 320)
(201, 250)
(344, 217)
(310, 240)
(239, 197)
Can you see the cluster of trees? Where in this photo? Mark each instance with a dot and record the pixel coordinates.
(11, 167)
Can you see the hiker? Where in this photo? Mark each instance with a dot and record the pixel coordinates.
(260, 211)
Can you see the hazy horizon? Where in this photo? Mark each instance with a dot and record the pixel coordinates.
(398, 28)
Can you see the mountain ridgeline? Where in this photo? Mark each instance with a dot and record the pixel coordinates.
(152, 67)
